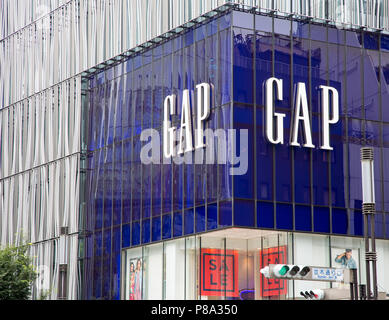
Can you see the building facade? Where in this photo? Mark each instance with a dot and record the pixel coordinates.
(82, 80)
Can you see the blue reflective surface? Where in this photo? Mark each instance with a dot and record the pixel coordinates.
(129, 203)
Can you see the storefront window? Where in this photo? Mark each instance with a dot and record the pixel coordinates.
(174, 270)
(311, 250)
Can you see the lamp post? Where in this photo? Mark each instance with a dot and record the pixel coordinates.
(368, 209)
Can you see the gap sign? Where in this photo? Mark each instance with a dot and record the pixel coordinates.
(219, 273)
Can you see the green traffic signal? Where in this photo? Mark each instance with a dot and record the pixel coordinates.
(284, 270)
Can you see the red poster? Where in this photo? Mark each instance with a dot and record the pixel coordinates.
(219, 273)
(272, 287)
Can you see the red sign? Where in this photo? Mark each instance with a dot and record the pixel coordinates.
(272, 287)
(219, 273)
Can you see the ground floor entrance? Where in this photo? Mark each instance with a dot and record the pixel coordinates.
(225, 264)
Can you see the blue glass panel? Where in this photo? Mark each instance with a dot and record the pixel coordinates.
(147, 96)
(211, 27)
(356, 223)
(211, 65)
(319, 169)
(319, 72)
(136, 182)
(108, 187)
(338, 157)
(244, 213)
(156, 186)
(188, 38)
(387, 226)
(126, 176)
(137, 61)
(370, 41)
(166, 226)
(284, 216)
(353, 39)
(189, 221)
(371, 77)
(224, 21)
(177, 224)
(336, 71)
(212, 216)
(178, 43)
(137, 103)
(127, 115)
(166, 188)
(135, 233)
(302, 175)
(211, 173)
(178, 197)
(225, 213)
(355, 179)
(384, 71)
(98, 244)
(119, 109)
(263, 64)
(243, 65)
(200, 219)
(385, 165)
(300, 29)
(126, 235)
(321, 219)
(265, 214)
(225, 178)
(353, 81)
(157, 52)
(339, 221)
(156, 229)
(282, 60)
(282, 26)
(109, 74)
(242, 19)
(115, 295)
(336, 36)
(128, 65)
(117, 185)
(106, 243)
(318, 32)
(97, 278)
(146, 190)
(384, 42)
(224, 94)
(283, 166)
(379, 225)
(263, 23)
(106, 278)
(264, 160)
(200, 32)
(244, 182)
(167, 47)
(146, 231)
(303, 218)
(157, 93)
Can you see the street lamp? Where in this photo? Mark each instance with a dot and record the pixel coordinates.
(368, 209)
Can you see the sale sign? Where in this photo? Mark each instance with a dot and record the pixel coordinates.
(219, 272)
(272, 287)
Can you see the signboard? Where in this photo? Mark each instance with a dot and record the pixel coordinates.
(219, 273)
(272, 287)
(327, 274)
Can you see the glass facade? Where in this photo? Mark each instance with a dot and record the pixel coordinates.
(132, 204)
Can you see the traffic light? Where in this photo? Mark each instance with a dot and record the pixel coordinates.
(286, 271)
(316, 294)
